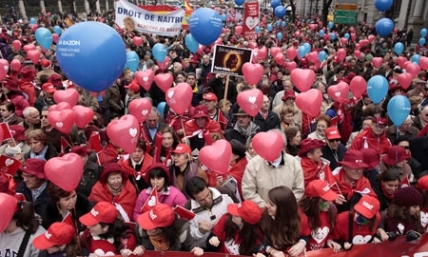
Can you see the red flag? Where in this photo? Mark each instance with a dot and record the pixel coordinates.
(65, 146)
(405, 182)
(6, 131)
(94, 142)
(184, 213)
(9, 165)
(151, 201)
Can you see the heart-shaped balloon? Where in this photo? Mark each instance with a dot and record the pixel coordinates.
(268, 145)
(291, 66)
(364, 43)
(164, 81)
(303, 79)
(55, 37)
(253, 73)
(279, 58)
(371, 38)
(310, 102)
(140, 108)
(8, 205)
(15, 64)
(401, 61)
(339, 92)
(84, 115)
(4, 66)
(217, 156)
(70, 96)
(252, 45)
(423, 62)
(250, 101)
(358, 86)
(413, 69)
(65, 171)
(341, 54)
(405, 79)
(179, 97)
(59, 107)
(137, 41)
(145, 78)
(34, 55)
(377, 62)
(16, 44)
(124, 132)
(29, 47)
(275, 50)
(255, 55)
(263, 53)
(291, 53)
(62, 120)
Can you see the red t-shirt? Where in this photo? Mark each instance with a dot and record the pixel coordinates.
(318, 237)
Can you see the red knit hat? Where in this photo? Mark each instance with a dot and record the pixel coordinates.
(309, 144)
(407, 197)
(395, 155)
(371, 157)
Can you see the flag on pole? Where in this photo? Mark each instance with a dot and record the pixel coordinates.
(188, 10)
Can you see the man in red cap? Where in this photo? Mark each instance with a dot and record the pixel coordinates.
(132, 93)
(45, 99)
(334, 150)
(46, 70)
(373, 137)
(210, 101)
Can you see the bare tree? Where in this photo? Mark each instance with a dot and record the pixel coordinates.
(93, 6)
(325, 8)
(60, 7)
(293, 11)
(72, 7)
(22, 10)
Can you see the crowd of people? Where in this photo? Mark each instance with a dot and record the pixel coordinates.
(346, 177)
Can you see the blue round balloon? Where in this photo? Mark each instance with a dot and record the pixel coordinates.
(132, 61)
(384, 27)
(377, 87)
(269, 27)
(279, 35)
(423, 32)
(398, 48)
(277, 23)
(280, 11)
(57, 30)
(347, 36)
(398, 109)
(308, 47)
(239, 2)
(383, 5)
(92, 64)
(205, 25)
(44, 37)
(330, 25)
(322, 56)
(257, 30)
(161, 108)
(322, 32)
(301, 51)
(275, 3)
(283, 23)
(32, 20)
(422, 41)
(223, 17)
(191, 43)
(159, 52)
(415, 58)
(332, 36)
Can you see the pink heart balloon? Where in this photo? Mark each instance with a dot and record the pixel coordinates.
(413, 69)
(217, 156)
(164, 81)
(253, 73)
(371, 38)
(279, 58)
(268, 145)
(275, 50)
(179, 97)
(84, 115)
(255, 56)
(250, 101)
(377, 62)
(145, 78)
(263, 53)
(29, 47)
(60, 106)
(4, 66)
(310, 102)
(15, 64)
(423, 62)
(339, 92)
(341, 54)
(303, 79)
(291, 66)
(16, 44)
(124, 132)
(401, 61)
(405, 79)
(34, 56)
(140, 108)
(55, 37)
(8, 205)
(65, 171)
(137, 41)
(62, 120)
(70, 96)
(358, 86)
(252, 45)
(238, 30)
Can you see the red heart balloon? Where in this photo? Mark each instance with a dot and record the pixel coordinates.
(16, 44)
(137, 41)
(250, 101)
(364, 42)
(163, 65)
(164, 81)
(310, 102)
(413, 69)
(339, 92)
(423, 62)
(8, 205)
(303, 79)
(70, 96)
(65, 171)
(124, 132)
(358, 86)
(217, 156)
(4, 66)
(145, 78)
(252, 72)
(401, 61)
(62, 120)
(341, 54)
(55, 37)
(238, 30)
(179, 97)
(268, 145)
(263, 53)
(59, 107)
(84, 115)
(291, 66)
(344, 41)
(34, 55)
(140, 108)
(371, 38)
(15, 64)
(252, 45)
(405, 79)
(377, 62)
(291, 53)
(357, 53)
(255, 57)
(279, 58)
(29, 47)
(275, 50)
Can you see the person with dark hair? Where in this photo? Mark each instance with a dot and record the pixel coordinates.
(65, 204)
(385, 185)
(106, 233)
(208, 204)
(17, 238)
(91, 170)
(238, 162)
(7, 111)
(159, 229)
(415, 165)
(158, 176)
(238, 231)
(115, 187)
(59, 240)
(170, 141)
(294, 138)
(40, 147)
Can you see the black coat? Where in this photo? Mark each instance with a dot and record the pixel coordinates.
(327, 153)
(41, 202)
(91, 173)
(419, 150)
(271, 122)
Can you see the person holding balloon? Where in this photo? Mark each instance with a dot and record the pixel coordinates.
(373, 137)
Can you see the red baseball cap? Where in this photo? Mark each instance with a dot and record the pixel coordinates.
(160, 216)
(395, 155)
(133, 86)
(423, 183)
(57, 234)
(104, 212)
(368, 206)
(49, 87)
(210, 97)
(319, 188)
(182, 148)
(247, 210)
(332, 133)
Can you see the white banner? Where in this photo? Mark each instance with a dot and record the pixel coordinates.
(133, 17)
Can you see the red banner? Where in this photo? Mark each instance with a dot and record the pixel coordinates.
(251, 20)
(398, 248)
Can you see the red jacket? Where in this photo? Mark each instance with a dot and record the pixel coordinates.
(313, 171)
(366, 139)
(27, 88)
(212, 126)
(147, 162)
(362, 185)
(237, 171)
(108, 155)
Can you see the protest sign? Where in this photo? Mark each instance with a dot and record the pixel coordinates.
(229, 60)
